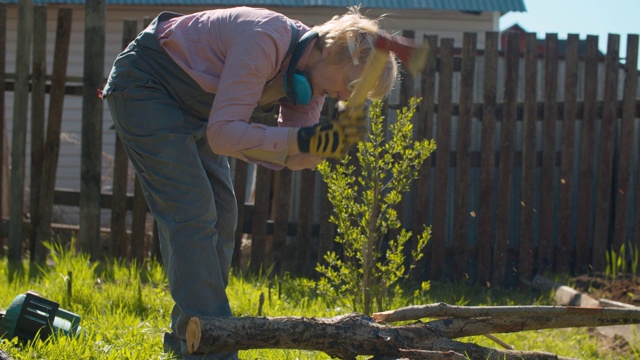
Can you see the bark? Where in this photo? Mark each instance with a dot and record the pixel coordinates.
(342, 337)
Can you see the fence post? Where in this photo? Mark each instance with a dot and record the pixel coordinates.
(18, 139)
(91, 147)
(38, 84)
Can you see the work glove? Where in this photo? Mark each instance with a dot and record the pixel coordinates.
(334, 139)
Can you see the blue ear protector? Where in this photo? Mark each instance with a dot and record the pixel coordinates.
(296, 84)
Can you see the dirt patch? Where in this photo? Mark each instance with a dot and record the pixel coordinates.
(625, 289)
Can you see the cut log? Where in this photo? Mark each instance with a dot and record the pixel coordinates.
(344, 337)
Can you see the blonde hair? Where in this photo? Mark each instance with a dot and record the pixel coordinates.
(349, 41)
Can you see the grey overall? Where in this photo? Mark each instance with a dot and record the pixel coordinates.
(161, 114)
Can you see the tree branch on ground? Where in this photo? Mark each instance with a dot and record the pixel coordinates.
(348, 336)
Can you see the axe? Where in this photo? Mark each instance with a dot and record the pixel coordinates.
(412, 56)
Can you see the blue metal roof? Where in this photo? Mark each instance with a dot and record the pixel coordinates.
(450, 5)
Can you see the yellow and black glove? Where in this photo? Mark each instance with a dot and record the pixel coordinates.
(333, 140)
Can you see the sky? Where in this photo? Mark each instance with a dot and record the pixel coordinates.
(583, 17)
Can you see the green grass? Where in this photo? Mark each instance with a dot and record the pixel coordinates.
(125, 310)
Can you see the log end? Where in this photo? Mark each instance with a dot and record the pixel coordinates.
(193, 334)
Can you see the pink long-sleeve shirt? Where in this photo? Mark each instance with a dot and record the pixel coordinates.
(233, 53)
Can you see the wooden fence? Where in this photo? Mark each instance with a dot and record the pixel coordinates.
(536, 168)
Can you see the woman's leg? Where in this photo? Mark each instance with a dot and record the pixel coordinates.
(181, 189)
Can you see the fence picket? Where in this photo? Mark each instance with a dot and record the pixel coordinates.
(282, 200)
(54, 122)
(119, 237)
(19, 133)
(305, 264)
(240, 186)
(505, 175)
(440, 199)
(528, 211)
(3, 164)
(585, 202)
(91, 146)
(623, 189)
(566, 188)
(327, 229)
(548, 173)
(260, 217)
(423, 127)
(605, 161)
(38, 91)
(488, 156)
(462, 209)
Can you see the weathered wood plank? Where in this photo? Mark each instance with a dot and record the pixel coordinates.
(528, 212)
(305, 263)
(326, 229)
(423, 129)
(547, 180)
(51, 149)
(19, 133)
(91, 146)
(623, 189)
(567, 182)
(138, 223)
(505, 175)
(440, 208)
(605, 161)
(38, 82)
(119, 238)
(282, 201)
(485, 208)
(462, 210)
(586, 181)
(3, 164)
(260, 217)
(240, 186)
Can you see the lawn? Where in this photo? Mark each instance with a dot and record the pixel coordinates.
(125, 310)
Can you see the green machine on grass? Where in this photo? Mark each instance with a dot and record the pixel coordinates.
(30, 315)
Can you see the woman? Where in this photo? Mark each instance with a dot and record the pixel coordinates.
(181, 96)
